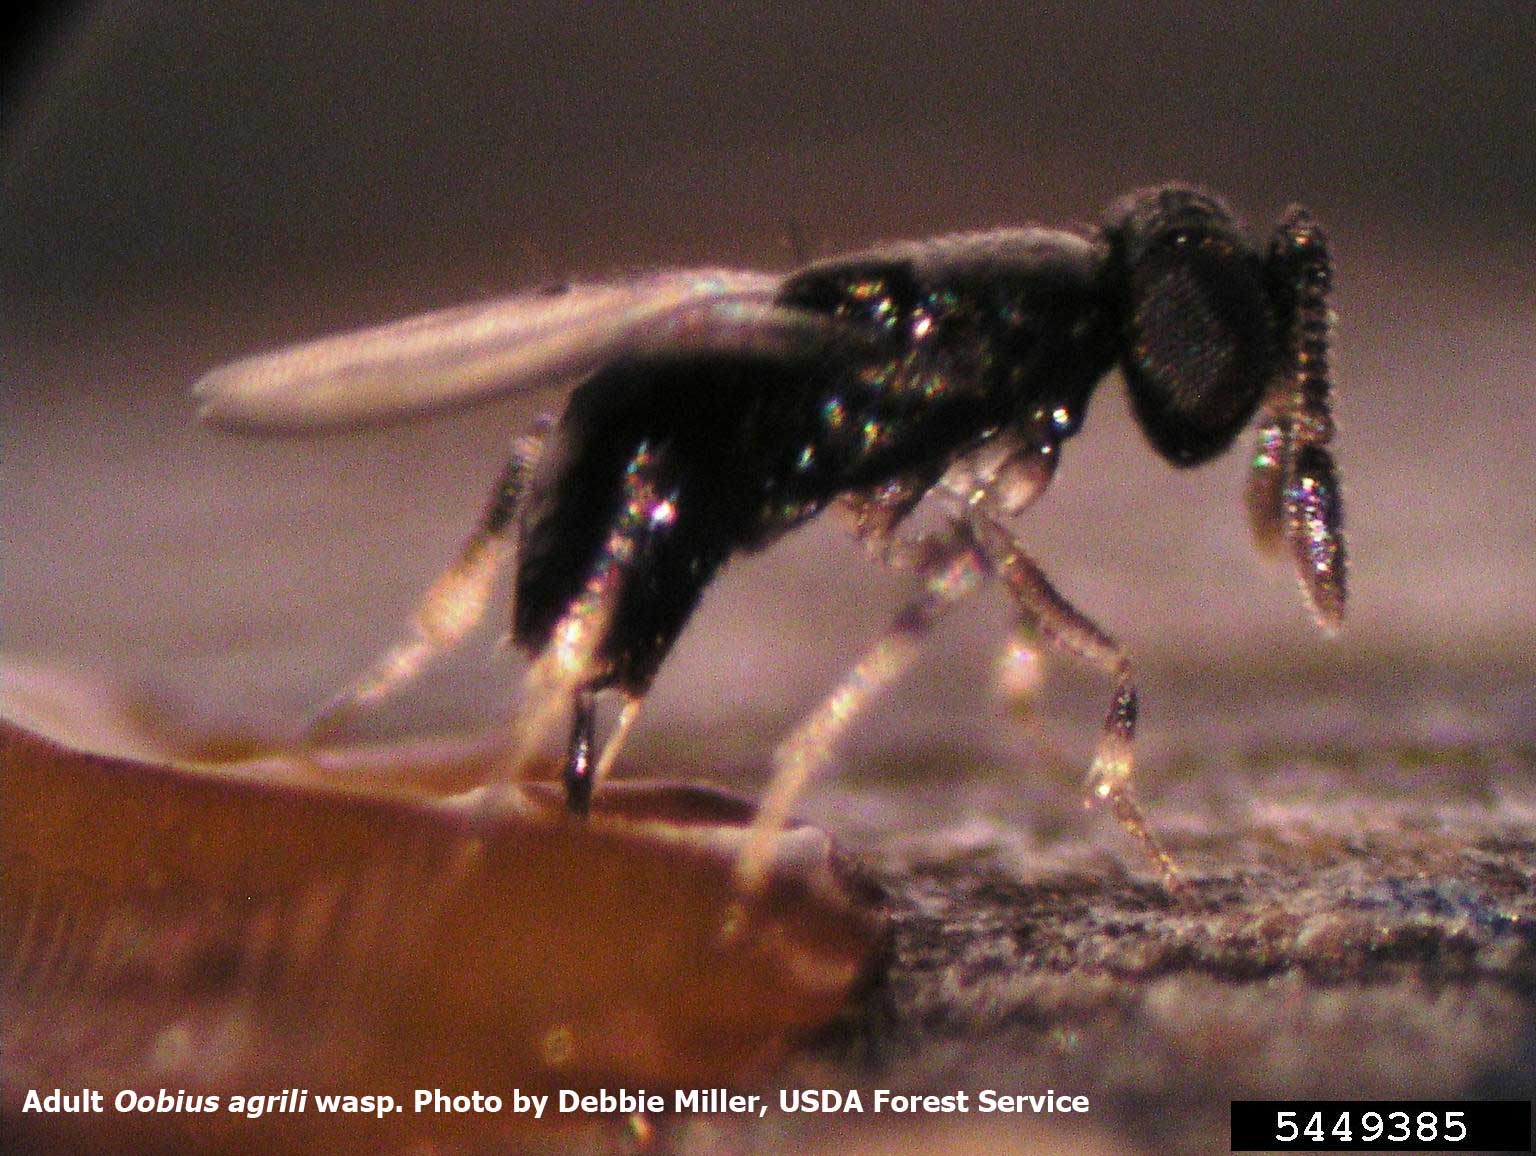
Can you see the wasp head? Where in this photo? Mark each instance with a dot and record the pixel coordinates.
(1212, 329)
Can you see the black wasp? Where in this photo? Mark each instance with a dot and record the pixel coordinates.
(714, 410)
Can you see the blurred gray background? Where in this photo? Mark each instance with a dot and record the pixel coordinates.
(185, 183)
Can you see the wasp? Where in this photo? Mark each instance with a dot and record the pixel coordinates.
(712, 411)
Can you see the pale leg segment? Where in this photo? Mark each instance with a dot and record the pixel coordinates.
(951, 568)
(621, 728)
(1064, 628)
(452, 606)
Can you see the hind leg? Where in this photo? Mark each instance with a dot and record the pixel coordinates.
(452, 606)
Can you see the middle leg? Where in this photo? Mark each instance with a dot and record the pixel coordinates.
(951, 567)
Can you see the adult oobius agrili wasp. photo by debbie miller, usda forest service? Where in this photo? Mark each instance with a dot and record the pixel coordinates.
(715, 410)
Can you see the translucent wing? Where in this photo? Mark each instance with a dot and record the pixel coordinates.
(457, 356)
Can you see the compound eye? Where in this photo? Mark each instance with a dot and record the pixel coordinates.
(1199, 344)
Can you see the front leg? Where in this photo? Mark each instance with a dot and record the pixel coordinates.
(1051, 617)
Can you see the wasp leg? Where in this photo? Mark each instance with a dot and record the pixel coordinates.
(1002, 481)
(951, 567)
(452, 606)
(1056, 621)
(1020, 672)
(873, 516)
(627, 715)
